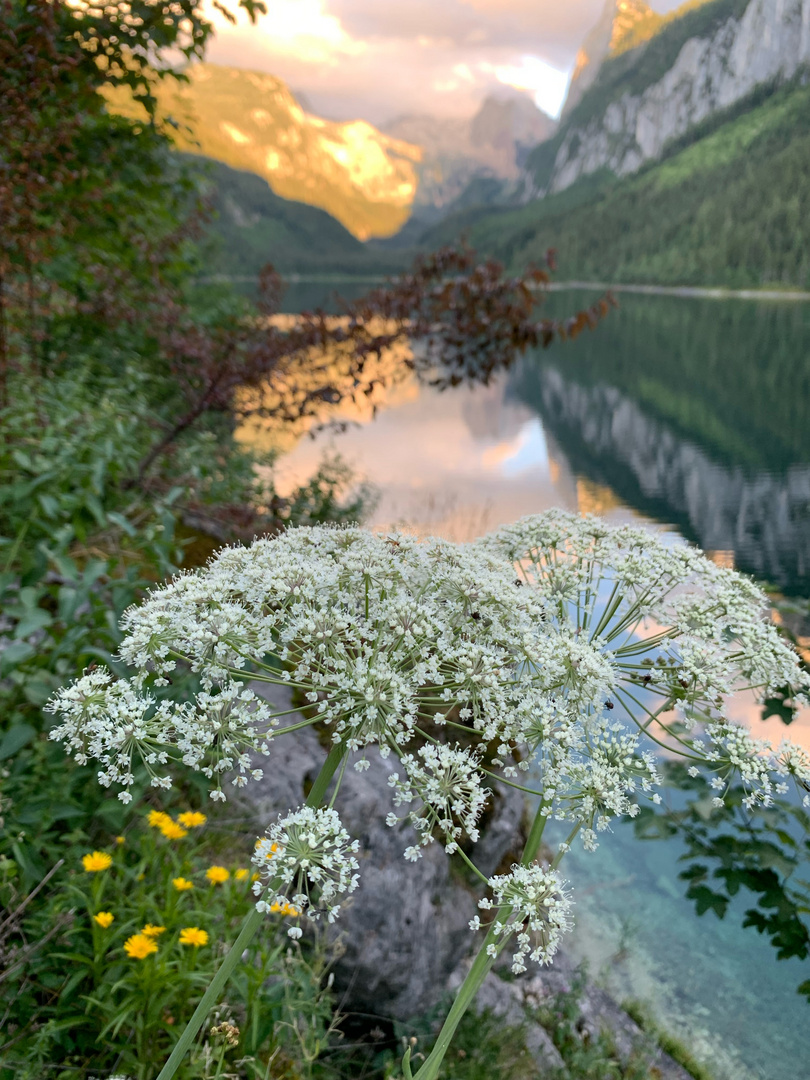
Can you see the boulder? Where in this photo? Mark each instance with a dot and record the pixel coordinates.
(404, 931)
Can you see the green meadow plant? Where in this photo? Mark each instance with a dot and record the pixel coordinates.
(557, 656)
(145, 920)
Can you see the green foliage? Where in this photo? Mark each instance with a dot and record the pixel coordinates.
(484, 1047)
(102, 977)
(77, 547)
(727, 205)
(252, 225)
(763, 856)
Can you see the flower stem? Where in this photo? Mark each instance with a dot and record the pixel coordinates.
(246, 935)
(481, 966)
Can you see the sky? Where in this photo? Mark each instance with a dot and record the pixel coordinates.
(379, 59)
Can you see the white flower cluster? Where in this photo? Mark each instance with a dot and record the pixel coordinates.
(375, 633)
(447, 782)
(533, 905)
(558, 646)
(307, 859)
(679, 635)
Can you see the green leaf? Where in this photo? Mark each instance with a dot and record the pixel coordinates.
(122, 523)
(15, 654)
(15, 739)
(31, 622)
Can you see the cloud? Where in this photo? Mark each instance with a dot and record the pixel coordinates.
(547, 84)
(378, 59)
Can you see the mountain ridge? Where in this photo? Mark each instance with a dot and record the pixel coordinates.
(252, 122)
(702, 58)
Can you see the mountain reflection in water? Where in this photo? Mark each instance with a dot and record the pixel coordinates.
(687, 416)
(692, 413)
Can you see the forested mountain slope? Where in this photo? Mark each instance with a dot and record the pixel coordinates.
(727, 204)
(252, 226)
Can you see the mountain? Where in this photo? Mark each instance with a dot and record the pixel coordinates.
(252, 122)
(253, 226)
(493, 143)
(684, 162)
(703, 58)
(621, 24)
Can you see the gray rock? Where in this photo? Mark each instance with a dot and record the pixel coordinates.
(506, 1001)
(405, 928)
(769, 40)
(598, 1013)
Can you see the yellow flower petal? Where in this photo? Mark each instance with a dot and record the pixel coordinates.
(192, 935)
(217, 874)
(98, 860)
(172, 831)
(284, 909)
(103, 918)
(151, 931)
(139, 946)
(182, 884)
(192, 819)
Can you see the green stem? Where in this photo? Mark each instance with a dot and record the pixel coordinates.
(481, 966)
(246, 935)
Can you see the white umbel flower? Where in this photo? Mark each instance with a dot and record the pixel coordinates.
(537, 910)
(307, 859)
(445, 781)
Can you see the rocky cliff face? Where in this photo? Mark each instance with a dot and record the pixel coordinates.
(708, 58)
(619, 21)
(492, 143)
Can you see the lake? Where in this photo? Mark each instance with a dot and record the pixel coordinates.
(692, 417)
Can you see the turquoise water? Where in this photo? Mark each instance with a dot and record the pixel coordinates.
(691, 417)
(712, 983)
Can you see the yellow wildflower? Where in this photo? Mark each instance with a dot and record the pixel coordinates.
(104, 918)
(192, 819)
(182, 884)
(241, 874)
(283, 909)
(151, 931)
(172, 831)
(99, 860)
(119, 839)
(157, 819)
(217, 874)
(192, 935)
(139, 946)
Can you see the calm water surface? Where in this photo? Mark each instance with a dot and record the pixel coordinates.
(691, 417)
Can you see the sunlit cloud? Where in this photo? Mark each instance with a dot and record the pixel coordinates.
(298, 30)
(379, 59)
(547, 85)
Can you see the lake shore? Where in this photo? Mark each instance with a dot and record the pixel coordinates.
(710, 292)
